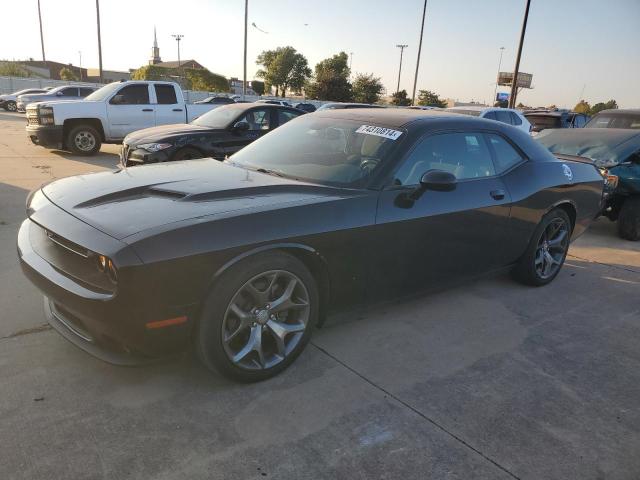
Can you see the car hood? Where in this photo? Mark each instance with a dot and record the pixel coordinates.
(125, 202)
(163, 132)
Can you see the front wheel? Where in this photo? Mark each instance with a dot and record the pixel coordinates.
(84, 140)
(629, 219)
(547, 250)
(258, 317)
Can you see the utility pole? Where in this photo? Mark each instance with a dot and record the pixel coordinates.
(41, 36)
(350, 60)
(80, 53)
(415, 78)
(401, 47)
(495, 90)
(178, 38)
(244, 75)
(514, 82)
(99, 39)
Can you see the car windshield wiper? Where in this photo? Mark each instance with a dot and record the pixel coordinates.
(277, 173)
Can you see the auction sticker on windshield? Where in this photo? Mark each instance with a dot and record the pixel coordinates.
(379, 131)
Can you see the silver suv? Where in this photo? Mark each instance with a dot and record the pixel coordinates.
(71, 92)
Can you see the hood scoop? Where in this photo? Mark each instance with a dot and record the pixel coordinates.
(134, 193)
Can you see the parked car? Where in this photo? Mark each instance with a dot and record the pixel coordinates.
(216, 100)
(9, 101)
(555, 119)
(618, 118)
(422, 107)
(108, 115)
(217, 134)
(305, 107)
(73, 92)
(243, 258)
(617, 153)
(503, 115)
(338, 106)
(284, 103)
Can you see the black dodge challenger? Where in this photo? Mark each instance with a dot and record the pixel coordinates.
(217, 134)
(243, 258)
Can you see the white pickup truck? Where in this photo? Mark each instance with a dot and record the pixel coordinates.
(108, 115)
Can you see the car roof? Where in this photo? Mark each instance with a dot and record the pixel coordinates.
(620, 111)
(550, 114)
(611, 136)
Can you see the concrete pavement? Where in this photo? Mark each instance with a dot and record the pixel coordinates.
(487, 380)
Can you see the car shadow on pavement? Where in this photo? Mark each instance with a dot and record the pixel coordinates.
(101, 159)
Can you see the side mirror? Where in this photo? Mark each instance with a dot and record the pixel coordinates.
(117, 100)
(241, 126)
(438, 180)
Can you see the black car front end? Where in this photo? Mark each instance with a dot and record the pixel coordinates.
(41, 127)
(132, 155)
(103, 299)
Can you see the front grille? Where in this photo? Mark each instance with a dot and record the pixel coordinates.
(70, 259)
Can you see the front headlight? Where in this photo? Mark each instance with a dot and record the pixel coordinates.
(154, 147)
(105, 265)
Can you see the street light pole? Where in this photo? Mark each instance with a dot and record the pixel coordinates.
(178, 37)
(41, 36)
(244, 75)
(99, 39)
(415, 78)
(80, 53)
(495, 90)
(514, 82)
(401, 47)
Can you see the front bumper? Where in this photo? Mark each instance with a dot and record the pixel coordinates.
(110, 326)
(50, 136)
(21, 106)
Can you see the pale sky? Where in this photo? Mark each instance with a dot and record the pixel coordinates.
(571, 45)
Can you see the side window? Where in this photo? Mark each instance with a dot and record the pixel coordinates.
(70, 92)
(85, 91)
(257, 119)
(466, 155)
(134, 95)
(504, 117)
(284, 116)
(490, 116)
(515, 119)
(505, 155)
(166, 94)
(579, 121)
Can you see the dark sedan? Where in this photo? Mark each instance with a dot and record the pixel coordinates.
(217, 134)
(243, 258)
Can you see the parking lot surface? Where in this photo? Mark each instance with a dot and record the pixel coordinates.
(490, 379)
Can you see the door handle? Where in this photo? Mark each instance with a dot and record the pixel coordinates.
(147, 109)
(176, 110)
(497, 194)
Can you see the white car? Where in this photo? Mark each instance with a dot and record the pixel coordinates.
(504, 115)
(10, 101)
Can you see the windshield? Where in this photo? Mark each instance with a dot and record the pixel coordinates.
(604, 150)
(473, 113)
(220, 117)
(619, 120)
(104, 92)
(541, 122)
(321, 150)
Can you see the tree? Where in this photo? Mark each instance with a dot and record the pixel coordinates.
(191, 78)
(257, 87)
(582, 107)
(10, 69)
(598, 107)
(283, 68)
(400, 98)
(331, 79)
(427, 98)
(151, 72)
(366, 88)
(67, 74)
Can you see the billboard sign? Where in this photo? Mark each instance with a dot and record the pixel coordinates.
(524, 79)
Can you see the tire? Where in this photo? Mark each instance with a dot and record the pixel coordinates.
(187, 153)
(238, 311)
(83, 140)
(11, 106)
(543, 252)
(629, 219)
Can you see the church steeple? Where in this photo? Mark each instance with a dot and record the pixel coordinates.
(155, 51)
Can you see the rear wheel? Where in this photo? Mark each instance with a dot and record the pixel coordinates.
(83, 140)
(258, 317)
(11, 106)
(187, 153)
(547, 250)
(629, 219)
